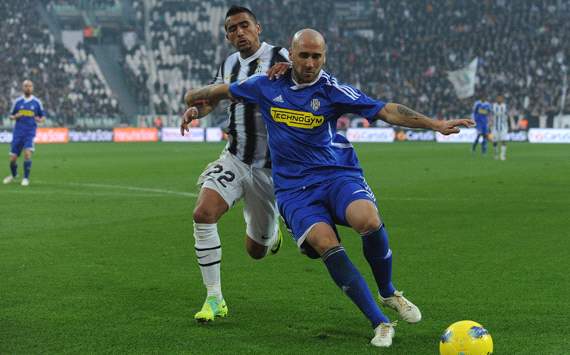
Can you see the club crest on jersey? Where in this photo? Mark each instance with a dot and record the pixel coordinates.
(299, 119)
(315, 104)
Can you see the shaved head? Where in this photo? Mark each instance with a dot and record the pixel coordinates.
(27, 87)
(307, 54)
(308, 35)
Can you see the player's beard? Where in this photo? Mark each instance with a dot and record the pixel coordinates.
(304, 77)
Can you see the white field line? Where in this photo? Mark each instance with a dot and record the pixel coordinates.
(77, 193)
(126, 188)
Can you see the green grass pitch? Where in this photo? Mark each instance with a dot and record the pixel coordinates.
(96, 255)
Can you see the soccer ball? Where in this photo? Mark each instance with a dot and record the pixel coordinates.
(466, 338)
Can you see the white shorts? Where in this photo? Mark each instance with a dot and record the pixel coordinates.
(500, 136)
(233, 180)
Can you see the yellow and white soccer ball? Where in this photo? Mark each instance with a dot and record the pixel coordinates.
(466, 338)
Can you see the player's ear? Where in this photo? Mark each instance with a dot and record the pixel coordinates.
(259, 29)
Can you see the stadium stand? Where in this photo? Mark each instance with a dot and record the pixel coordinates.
(68, 82)
(391, 49)
(394, 50)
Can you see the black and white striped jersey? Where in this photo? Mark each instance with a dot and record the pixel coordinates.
(500, 117)
(247, 136)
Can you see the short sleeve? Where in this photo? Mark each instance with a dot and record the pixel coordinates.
(348, 99)
(13, 110)
(248, 91)
(40, 109)
(219, 77)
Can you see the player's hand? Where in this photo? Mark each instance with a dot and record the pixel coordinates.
(16, 116)
(447, 127)
(278, 69)
(190, 114)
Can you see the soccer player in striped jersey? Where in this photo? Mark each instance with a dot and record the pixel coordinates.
(500, 128)
(317, 176)
(27, 111)
(243, 170)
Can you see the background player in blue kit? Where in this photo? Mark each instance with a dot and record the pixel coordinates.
(481, 111)
(317, 177)
(27, 111)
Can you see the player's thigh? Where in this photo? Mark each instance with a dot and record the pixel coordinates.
(17, 146)
(224, 177)
(302, 210)
(503, 136)
(260, 209)
(354, 204)
(29, 146)
(210, 206)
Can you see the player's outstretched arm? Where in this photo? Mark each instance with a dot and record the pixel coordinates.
(401, 115)
(208, 96)
(202, 101)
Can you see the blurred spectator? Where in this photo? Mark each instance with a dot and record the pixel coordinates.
(395, 50)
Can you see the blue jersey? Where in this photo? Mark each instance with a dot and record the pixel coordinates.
(481, 112)
(305, 148)
(28, 108)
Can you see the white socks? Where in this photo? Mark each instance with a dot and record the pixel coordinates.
(209, 255)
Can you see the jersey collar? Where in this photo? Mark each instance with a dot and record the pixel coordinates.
(298, 86)
(29, 98)
(254, 56)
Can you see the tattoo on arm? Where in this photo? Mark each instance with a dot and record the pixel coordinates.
(409, 113)
(200, 94)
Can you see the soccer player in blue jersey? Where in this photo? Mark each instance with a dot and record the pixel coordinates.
(27, 111)
(317, 177)
(481, 111)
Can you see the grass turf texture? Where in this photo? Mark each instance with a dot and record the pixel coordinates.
(95, 255)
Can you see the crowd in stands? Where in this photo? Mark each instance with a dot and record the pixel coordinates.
(85, 4)
(69, 84)
(395, 50)
(399, 50)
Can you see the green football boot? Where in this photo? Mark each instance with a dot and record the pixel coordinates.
(211, 309)
(277, 245)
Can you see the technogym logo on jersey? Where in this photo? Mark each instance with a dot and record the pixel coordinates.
(27, 113)
(294, 118)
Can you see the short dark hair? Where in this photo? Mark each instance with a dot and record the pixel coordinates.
(234, 10)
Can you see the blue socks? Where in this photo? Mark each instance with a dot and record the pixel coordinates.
(14, 168)
(27, 168)
(347, 277)
(483, 143)
(379, 256)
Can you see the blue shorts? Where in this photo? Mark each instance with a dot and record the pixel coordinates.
(325, 202)
(21, 142)
(482, 129)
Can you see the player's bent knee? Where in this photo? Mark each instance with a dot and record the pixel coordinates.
(321, 238)
(369, 225)
(255, 250)
(205, 215)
